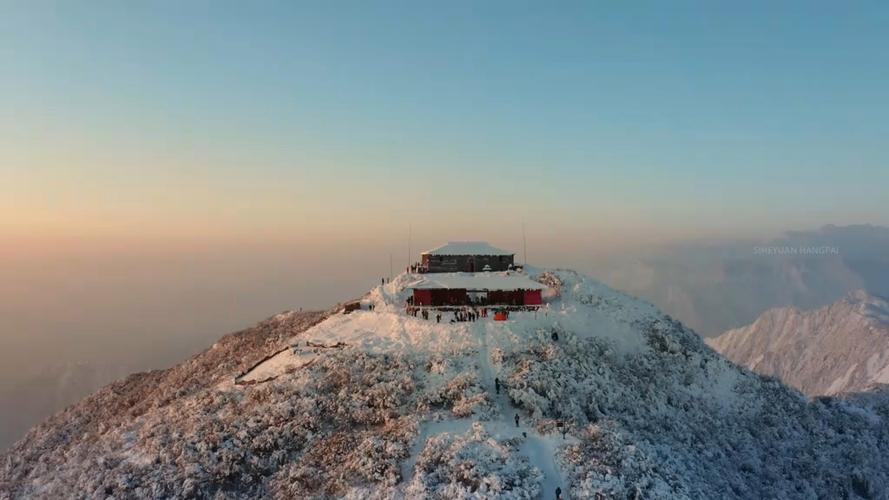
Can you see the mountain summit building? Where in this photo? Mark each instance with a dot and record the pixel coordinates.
(472, 273)
(467, 257)
(506, 288)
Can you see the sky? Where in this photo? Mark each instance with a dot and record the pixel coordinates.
(216, 120)
(171, 171)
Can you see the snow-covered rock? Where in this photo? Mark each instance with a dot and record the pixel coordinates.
(843, 347)
(601, 395)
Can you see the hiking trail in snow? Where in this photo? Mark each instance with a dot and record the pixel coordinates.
(539, 450)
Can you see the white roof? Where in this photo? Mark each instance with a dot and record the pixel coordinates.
(467, 248)
(478, 281)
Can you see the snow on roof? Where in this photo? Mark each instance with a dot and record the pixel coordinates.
(478, 281)
(467, 248)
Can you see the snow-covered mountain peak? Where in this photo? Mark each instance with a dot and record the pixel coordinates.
(859, 295)
(869, 305)
(596, 393)
(841, 347)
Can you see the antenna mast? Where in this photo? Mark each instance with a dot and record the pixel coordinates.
(408, 247)
(524, 246)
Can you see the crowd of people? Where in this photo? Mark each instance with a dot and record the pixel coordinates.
(457, 316)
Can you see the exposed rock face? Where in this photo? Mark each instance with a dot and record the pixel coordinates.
(843, 347)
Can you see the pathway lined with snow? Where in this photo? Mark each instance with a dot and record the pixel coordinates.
(540, 450)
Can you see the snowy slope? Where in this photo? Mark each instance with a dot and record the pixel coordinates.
(378, 404)
(35, 396)
(843, 347)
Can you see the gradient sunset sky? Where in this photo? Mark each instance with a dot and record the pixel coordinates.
(334, 120)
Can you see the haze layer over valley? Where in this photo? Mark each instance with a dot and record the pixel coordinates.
(714, 286)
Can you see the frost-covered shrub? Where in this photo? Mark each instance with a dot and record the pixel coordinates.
(604, 465)
(334, 465)
(439, 364)
(462, 395)
(472, 465)
(712, 430)
(236, 442)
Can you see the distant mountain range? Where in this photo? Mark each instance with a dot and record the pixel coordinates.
(716, 286)
(842, 347)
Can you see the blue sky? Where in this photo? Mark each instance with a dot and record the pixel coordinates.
(683, 119)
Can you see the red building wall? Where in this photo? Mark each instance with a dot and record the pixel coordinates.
(459, 297)
(533, 298)
(449, 297)
(440, 297)
(422, 297)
